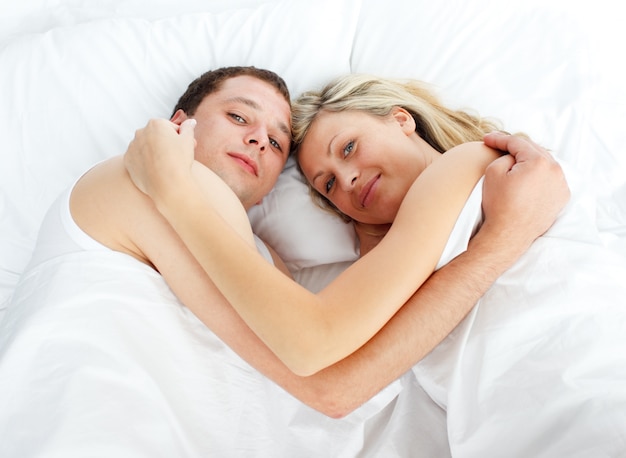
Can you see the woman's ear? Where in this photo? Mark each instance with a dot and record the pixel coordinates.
(179, 117)
(404, 119)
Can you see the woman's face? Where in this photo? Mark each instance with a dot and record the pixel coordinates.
(364, 164)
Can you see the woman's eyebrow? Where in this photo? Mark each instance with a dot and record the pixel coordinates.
(329, 153)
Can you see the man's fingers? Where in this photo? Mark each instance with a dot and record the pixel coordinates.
(513, 144)
(501, 166)
(522, 149)
(497, 140)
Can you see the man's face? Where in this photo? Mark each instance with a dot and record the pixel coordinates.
(243, 134)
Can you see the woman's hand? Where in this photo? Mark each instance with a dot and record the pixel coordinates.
(160, 154)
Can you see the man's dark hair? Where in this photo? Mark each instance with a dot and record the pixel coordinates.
(212, 80)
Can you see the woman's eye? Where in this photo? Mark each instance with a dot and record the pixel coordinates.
(329, 184)
(348, 148)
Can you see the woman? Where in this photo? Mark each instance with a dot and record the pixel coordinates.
(538, 368)
(355, 102)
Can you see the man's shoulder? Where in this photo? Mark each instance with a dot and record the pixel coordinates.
(109, 208)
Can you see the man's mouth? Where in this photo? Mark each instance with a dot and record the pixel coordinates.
(246, 162)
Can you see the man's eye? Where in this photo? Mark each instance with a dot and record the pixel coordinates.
(329, 184)
(237, 118)
(275, 144)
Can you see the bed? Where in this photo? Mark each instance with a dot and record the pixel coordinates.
(136, 374)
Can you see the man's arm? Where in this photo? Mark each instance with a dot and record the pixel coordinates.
(424, 321)
(428, 316)
(517, 211)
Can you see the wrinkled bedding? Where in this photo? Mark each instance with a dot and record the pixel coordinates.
(538, 367)
(97, 357)
(96, 350)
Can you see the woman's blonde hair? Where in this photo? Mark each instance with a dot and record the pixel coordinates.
(440, 126)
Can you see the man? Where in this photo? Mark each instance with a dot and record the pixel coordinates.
(243, 113)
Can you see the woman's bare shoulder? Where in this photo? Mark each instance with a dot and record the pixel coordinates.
(476, 149)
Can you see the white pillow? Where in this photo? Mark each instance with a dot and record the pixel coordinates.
(301, 232)
(540, 67)
(75, 94)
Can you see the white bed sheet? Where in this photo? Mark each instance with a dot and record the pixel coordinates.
(98, 358)
(538, 367)
(76, 80)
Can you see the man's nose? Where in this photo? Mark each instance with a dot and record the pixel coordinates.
(252, 141)
(258, 138)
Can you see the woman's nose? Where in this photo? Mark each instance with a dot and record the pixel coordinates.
(348, 179)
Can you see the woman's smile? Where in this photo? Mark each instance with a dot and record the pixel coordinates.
(368, 192)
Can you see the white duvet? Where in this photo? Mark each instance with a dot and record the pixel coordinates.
(98, 357)
(117, 367)
(538, 368)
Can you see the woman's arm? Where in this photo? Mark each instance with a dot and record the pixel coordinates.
(308, 331)
(369, 235)
(516, 210)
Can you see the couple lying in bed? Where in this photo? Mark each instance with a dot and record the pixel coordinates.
(372, 150)
(241, 133)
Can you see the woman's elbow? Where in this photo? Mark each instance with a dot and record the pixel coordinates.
(307, 358)
(308, 355)
(303, 364)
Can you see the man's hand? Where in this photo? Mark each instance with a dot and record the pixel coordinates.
(159, 154)
(523, 191)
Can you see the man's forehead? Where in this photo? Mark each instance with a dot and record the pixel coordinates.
(250, 87)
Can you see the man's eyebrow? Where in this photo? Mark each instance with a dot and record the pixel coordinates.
(246, 101)
(284, 129)
(252, 104)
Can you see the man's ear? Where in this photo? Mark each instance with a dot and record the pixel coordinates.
(179, 117)
(404, 119)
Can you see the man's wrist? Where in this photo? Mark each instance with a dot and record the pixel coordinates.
(498, 249)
